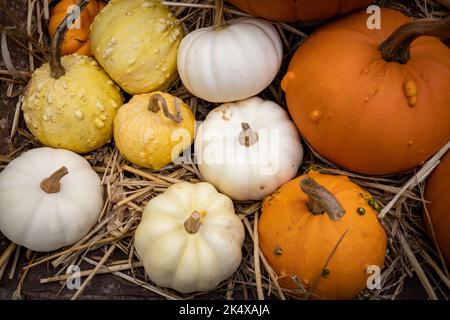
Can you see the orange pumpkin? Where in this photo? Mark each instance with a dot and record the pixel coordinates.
(371, 108)
(309, 218)
(300, 10)
(437, 193)
(76, 39)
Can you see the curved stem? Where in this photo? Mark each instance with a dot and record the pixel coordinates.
(397, 46)
(157, 100)
(193, 223)
(56, 68)
(52, 184)
(219, 19)
(247, 137)
(321, 200)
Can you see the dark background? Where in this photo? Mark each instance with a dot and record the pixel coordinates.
(13, 12)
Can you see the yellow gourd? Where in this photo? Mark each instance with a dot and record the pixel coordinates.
(136, 42)
(70, 103)
(153, 129)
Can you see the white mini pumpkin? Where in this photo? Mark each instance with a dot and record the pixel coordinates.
(230, 61)
(190, 238)
(49, 198)
(248, 149)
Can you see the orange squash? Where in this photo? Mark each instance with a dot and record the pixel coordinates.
(298, 10)
(309, 218)
(437, 193)
(368, 101)
(76, 39)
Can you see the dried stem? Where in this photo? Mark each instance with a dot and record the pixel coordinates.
(157, 101)
(321, 200)
(56, 68)
(397, 46)
(52, 184)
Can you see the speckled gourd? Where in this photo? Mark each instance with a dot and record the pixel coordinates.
(71, 102)
(136, 42)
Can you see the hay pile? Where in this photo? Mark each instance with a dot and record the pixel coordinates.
(129, 188)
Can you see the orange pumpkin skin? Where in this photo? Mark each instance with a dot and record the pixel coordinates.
(306, 240)
(76, 40)
(437, 193)
(300, 10)
(351, 105)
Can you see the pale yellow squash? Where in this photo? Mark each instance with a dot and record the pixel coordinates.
(136, 42)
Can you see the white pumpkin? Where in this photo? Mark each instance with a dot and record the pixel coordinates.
(49, 198)
(190, 238)
(248, 149)
(230, 62)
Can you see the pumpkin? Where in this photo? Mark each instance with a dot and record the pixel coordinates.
(321, 229)
(248, 149)
(151, 130)
(231, 60)
(298, 10)
(70, 103)
(136, 42)
(189, 238)
(49, 199)
(77, 37)
(395, 114)
(438, 206)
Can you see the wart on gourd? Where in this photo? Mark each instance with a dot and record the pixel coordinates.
(51, 105)
(379, 86)
(323, 207)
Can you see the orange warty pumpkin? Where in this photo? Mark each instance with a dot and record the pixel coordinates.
(437, 192)
(309, 218)
(298, 10)
(371, 108)
(76, 40)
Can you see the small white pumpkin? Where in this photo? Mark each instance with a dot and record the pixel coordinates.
(248, 149)
(230, 61)
(49, 198)
(190, 238)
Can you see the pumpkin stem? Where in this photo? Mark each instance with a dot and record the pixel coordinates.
(219, 19)
(397, 46)
(56, 68)
(157, 100)
(193, 223)
(247, 137)
(321, 200)
(52, 183)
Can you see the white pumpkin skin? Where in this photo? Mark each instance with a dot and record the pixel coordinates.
(231, 64)
(248, 172)
(187, 262)
(43, 221)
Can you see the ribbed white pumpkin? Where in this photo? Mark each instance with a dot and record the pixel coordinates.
(248, 149)
(190, 238)
(41, 218)
(230, 63)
